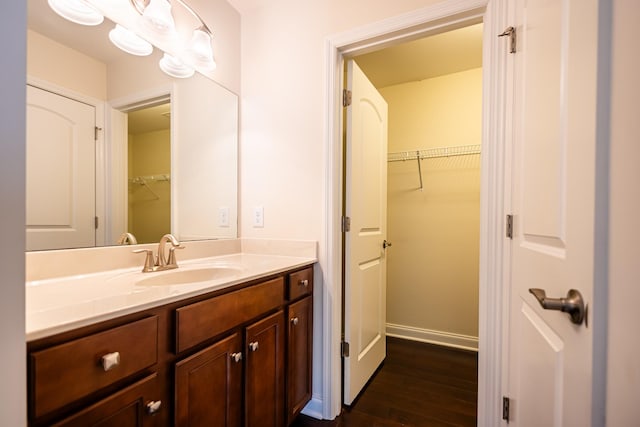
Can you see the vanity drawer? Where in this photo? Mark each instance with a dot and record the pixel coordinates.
(64, 373)
(300, 283)
(200, 321)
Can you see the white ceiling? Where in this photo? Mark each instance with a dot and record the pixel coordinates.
(437, 55)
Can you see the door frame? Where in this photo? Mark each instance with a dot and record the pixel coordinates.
(494, 252)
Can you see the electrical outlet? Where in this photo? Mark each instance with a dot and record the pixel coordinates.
(223, 216)
(258, 217)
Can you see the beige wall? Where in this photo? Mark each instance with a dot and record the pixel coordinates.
(149, 213)
(432, 267)
(282, 107)
(62, 66)
(623, 382)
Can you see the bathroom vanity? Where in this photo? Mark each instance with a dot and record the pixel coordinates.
(222, 342)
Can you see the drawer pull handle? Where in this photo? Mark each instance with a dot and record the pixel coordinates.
(253, 346)
(294, 320)
(304, 282)
(153, 407)
(110, 361)
(236, 357)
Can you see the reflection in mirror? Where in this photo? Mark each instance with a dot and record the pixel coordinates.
(93, 196)
(149, 172)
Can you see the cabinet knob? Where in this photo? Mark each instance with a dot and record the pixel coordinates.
(294, 320)
(304, 283)
(236, 357)
(253, 346)
(153, 407)
(110, 361)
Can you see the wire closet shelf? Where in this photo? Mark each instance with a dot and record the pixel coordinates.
(431, 153)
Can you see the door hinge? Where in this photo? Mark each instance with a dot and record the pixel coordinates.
(511, 33)
(510, 226)
(96, 129)
(96, 222)
(346, 98)
(505, 408)
(346, 224)
(344, 349)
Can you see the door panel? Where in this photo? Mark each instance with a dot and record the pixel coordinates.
(60, 172)
(553, 190)
(366, 205)
(209, 386)
(264, 382)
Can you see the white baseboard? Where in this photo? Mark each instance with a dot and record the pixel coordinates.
(448, 339)
(313, 408)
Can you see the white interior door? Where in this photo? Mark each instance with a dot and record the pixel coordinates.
(553, 193)
(366, 205)
(60, 172)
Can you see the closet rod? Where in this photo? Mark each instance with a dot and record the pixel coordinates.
(431, 153)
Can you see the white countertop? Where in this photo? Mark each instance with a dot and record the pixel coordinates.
(65, 303)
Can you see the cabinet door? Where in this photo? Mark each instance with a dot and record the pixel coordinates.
(133, 406)
(299, 353)
(265, 372)
(209, 386)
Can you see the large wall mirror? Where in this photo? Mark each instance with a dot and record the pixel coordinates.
(114, 145)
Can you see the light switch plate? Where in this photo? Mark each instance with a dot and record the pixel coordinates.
(223, 216)
(258, 217)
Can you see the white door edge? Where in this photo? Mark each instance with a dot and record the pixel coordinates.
(492, 250)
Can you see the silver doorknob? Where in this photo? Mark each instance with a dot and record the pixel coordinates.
(573, 304)
(253, 346)
(294, 321)
(386, 244)
(153, 407)
(236, 357)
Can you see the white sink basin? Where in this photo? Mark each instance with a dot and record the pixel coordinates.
(183, 277)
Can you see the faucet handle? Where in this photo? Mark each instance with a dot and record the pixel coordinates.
(172, 255)
(149, 262)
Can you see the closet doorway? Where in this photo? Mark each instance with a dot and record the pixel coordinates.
(433, 87)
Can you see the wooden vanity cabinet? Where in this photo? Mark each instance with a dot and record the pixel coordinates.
(265, 375)
(129, 407)
(236, 357)
(208, 386)
(299, 356)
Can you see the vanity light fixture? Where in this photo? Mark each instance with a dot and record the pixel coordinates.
(129, 41)
(78, 11)
(157, 17)
(175, 67)
(198, 52)
(155, 26)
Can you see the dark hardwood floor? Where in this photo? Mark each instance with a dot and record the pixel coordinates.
(418, 385)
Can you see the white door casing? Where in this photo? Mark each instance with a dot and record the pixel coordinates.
(60, 172)
(366, 206)
(553, 191)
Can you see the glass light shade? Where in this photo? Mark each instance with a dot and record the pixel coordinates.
(175, 67)
(78, 11)
(157, 17)
(129, 41)
(199, 50)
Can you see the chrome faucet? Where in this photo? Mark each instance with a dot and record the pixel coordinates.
(127, 238)
(161, 262)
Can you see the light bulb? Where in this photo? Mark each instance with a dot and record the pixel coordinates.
(175, 67)
(199, 50)
(157, 17)
(78, 11)
(129, 41)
